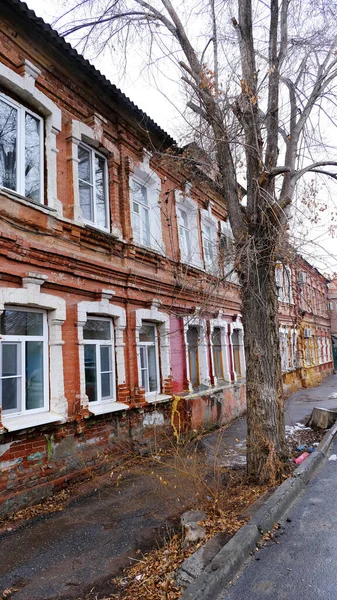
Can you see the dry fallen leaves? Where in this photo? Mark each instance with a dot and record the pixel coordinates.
(152, 576)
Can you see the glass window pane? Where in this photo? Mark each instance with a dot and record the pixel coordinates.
(194, 370)
(136, 224)
(9, 359)
(90, 372)
(106, 362)
(20, 322)
(101, 216)
(11, 394)
(34, 375)
(153, 376)
(192, 336)
(11, 386)
(143, 362)
(143, 368)
(147, 333)
(192, 341)
(95, 329)
(183, 217)
(106, 383)
(86, 203)
(139, 193)
(8, 144)
(32, 157)
(146, 239)
(216, 336)
(84, 165)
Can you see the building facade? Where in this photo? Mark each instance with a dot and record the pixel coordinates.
(304, 316)
(120, 310)
(333, 311)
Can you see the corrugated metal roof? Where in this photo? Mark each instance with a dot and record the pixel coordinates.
(54, 38)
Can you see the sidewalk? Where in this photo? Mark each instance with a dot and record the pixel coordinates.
(301, 565)
(63, 556)
(230, 444)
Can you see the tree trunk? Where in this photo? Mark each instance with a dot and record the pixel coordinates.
(265, 411)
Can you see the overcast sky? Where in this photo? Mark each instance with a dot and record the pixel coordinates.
(147, 92)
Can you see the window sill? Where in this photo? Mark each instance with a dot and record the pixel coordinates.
(26, 421)
(26, 201)
(158, 250)
(114, 232)
(108, 407)
(193, 265)
(156, 398)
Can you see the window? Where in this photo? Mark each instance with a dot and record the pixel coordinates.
(227, 252)
(217, 354)
(140, 214)
(99, 360)
(283, 283)
(236, 352)
(192, 337)
(21, 150)
(209, 249)
(210, 240)
(93, 189)
(187, 213)
(148, 349)
(23, 361)
(145, 207)
(184, 235)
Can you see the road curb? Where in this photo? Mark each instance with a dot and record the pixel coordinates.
(226, 563)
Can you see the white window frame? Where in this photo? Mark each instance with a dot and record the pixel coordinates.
(162, 322)
(98, 344)
(221, 324)
(20, 340)
(23, 86)
(143, 175)
(226, 236)
(92, 153)
(141, 236)
(210, 228)
(283, 283)
(238, 326)
(284, 349)
(145, 346)
(28, 297)
(190, 207)
(204, 378)
(184, 234)
(103, 309)
(20, 148)
(294, 338)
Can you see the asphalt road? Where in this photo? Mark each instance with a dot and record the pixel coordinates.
(301, 563)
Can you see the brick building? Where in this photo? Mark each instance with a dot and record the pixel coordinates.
(119, 308)
(304, 316)
(333, 308)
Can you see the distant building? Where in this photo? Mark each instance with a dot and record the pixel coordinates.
(332, 304)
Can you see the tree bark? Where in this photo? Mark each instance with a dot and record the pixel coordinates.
(265, 417)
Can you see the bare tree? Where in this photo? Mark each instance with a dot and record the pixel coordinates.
(259, 86)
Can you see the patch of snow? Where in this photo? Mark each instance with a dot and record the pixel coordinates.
(333, 457)
(333, 395)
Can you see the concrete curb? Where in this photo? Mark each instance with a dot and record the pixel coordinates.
(225, 564)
